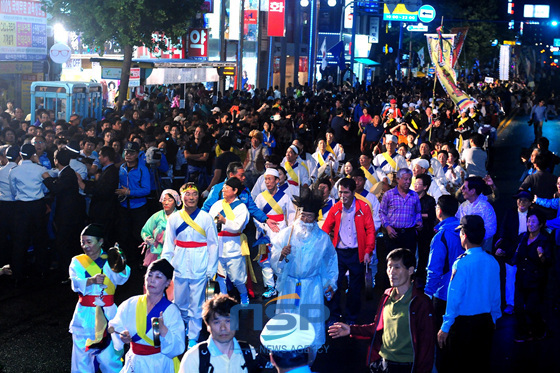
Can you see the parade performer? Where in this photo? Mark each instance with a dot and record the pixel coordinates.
(279, 207)
(151, 324)
(232, 216)
(153, 232)
(191, 246)
(305, 261)
(94, 280)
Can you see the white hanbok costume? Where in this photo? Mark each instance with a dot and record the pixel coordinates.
(312, 267)
(283, 211)
(232, 262)
(143, 357)
(192, 250)
(82, 325)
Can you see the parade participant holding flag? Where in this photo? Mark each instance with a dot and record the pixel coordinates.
(95, 281)
(191, 246)
(278, 206)
(151, 324)
(306, 264)
(232, 216)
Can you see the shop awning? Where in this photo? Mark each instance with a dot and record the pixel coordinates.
(171, 71)
(367, 61)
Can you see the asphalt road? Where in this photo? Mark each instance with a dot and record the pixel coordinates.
(34, 320)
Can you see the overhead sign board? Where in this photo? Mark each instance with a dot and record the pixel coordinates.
(23, 30)
(426, 13)
(417, 28)
(398, 12)
(276, 18)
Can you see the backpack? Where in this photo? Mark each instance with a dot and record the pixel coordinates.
(204, 365)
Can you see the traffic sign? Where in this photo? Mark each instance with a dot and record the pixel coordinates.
(418, 28)
(426, 13)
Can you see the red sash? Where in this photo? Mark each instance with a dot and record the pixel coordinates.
(228, 234)
(189, 244)
(279, 217)
(140, 349)
(88, 300)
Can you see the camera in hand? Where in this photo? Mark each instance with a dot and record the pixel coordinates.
(153, 155)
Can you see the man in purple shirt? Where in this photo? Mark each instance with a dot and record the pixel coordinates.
(400, 213)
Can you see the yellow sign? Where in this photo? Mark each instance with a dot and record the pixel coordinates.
(398, 13)
(509, 42)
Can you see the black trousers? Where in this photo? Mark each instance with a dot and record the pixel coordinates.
(439, 311)
(528, 311)
(348, 260)
(30, 228)
(469, 344)
(406, 238)
(7, 209)
(130, 225)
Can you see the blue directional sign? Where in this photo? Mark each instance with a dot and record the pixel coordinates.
(426, 13)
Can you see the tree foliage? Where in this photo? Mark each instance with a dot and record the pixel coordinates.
(129, 23)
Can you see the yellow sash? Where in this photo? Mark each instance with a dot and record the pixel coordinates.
(141, 316)
(291, 172)
(372, 179)
(363, 199)
(391, 161)
(414, 124)
(329, 148)
(272, 202)
(460, 144)
(463, 120)
(186, 217)
(93, 269)
(320, 158)
(231, 216)
(228, 210)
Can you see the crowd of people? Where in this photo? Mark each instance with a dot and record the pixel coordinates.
(318, 187)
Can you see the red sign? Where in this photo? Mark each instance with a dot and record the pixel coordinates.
(198, 43)
(208, 6)
(302, 64)
(276, 18)
(22, 8)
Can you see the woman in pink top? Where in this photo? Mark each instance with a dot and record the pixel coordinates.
(365, 119)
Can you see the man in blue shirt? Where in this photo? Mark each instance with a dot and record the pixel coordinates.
(473, 303)
(445, 248)
(134, 187)
(30, 223)
(539, 115)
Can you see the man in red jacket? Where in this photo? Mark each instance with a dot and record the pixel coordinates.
(351, 227)
(403, 332)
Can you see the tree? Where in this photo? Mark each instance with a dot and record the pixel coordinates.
(129, 23)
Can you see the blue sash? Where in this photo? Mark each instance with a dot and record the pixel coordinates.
(385, 161)
(277, 197)
(160, 307)
(184, 225)
(233, 205)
